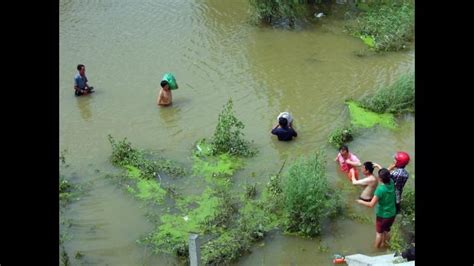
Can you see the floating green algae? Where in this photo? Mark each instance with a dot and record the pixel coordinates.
(133, 172)
(222, 165)
(150, 190)
(172, 235)
(146, 189)
(361, 117)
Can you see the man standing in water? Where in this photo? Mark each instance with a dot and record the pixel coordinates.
(80, 82)
(370, 182)
(283, 131)
(168, 83)
(385, 211)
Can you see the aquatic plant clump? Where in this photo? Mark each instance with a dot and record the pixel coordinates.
(251, 226)
(123, 154)
(308, 199)
(386, 27)
(227, 137)
(270, 10)
(340, 136)
(172, 234)
(361, 117)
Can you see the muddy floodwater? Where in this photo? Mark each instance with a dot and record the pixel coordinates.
(215, 54)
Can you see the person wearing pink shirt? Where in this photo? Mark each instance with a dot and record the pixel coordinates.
(348, 162)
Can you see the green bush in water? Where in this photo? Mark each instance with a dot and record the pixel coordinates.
(170, 168)
(396, 99)
(230, 245)
(340, 136)
(309, 200)
(386, 27)
(228, 137)
(222, 250)
(268, 10)
(123, 154)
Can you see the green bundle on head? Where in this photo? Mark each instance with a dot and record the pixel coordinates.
(168, 77)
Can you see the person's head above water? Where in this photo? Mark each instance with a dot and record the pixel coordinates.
(344, 150)
(384, 174)
(368, 168)
(81, 68)
(164, 83)
(283, 122)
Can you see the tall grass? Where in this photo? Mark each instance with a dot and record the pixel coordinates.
(396, 99)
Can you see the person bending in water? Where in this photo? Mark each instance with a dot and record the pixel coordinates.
(370, 182)
(283, 131)
(348, 162)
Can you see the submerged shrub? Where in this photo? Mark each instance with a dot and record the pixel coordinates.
(309, 200)
(227, 137)
(123, 154)
(340, 136)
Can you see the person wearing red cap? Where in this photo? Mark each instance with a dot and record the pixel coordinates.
(398, 174)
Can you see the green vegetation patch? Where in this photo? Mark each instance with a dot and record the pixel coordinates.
(269, 10)
(150, 190)
(172, 235)
(214, 167)
(361, 117)
(228, 137)
(386, 27)
(341, 136)
(397, 98)
(308, 199)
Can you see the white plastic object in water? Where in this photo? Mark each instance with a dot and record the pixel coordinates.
(318, 15)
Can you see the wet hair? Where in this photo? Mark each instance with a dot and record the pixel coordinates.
(283, 122)
(384, 174)
(369, 166)
(163, 83)
(80, 66)
(344, 148)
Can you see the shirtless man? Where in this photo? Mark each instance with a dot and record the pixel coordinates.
(370, 182)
